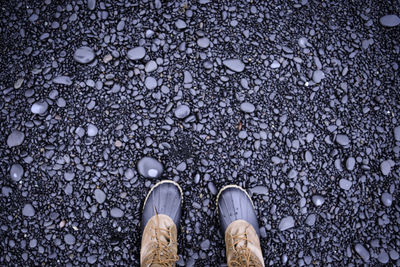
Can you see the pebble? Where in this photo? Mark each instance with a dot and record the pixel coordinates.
(350, 163)
(345, 184)
(116, 213)
(318, 76)
(286, 223)
(39, 107)
(394, 255)
(84, 55)
(310, 221)
(69, 176)
(203, 42)
(308, 156)
(18, 83)
(92, 130)
(100, 196)
(247, 107)
(65, 80)
(363, 252)
(302, 42)
(91, 4)
(69, 239)
(180, 24)
(275, 64)
(182, 111)
(386, 167)
(235, 65)
(387, 199)
(15, 138)
(28, 210)
(318, 200)
(16, 172)
(150, 167)
(397, 133)
(187, 77)
(136, 53)
(205, 245)
(150, 83)
(342, 139)
(150, 66)
(383, 257)
(390, 20)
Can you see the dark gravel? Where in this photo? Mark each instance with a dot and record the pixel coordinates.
(296, 101)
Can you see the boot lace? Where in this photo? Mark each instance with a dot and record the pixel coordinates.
(162, 253)
(242, 255)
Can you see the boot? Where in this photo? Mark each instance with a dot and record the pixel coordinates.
(160, 223)
(239, 225)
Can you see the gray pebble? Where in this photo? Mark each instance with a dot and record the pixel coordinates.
(84, 55)
(205, 245)
(342, 139)
(116, 213)
(39, 107)
(65, 80)
(28, 210)
(203, 42)
(16, 172)
(69, 176)
(92, 130)
(275, 64)
(91, 4)
(187, 77)
(318, 200)
(180, 24)
(397, 133)
(150, 83)
(69, 239)
(310, 221)
(182, 111)
(150, 66)
(350, 163)
(247, 107)
(150, 167)
(318, 76)
(387, 199)
(390, 20)
(394, 255)
(383, 257)
(136, 53)
(234, 65)
(99, 195)
(286, 223)
(345, 184)
(15, 138)
(302, 42)
(386, 167)
(363, 252)
(308, 156)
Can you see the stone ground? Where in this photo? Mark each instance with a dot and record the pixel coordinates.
(296, 101)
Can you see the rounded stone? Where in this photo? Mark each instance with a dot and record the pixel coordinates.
(116, 213)
(28, 210)
(247, 107)
(84, 55)
(350, 163)
(150, 66)
(203, 42)
(345, 184)
(15, 138)
(342, 139)
(39, 107)
(363, 252)
(69, 239)
(235, 65)
(386, 167)
(136, 53)
(92, 130)
(387, 199)
(150, 167)
(182, 111)
(383, 257)
(100, 196)
(318, 200)
(318, 76)
(150, 83)
(390, 20)
(286, 223)
(16, 172)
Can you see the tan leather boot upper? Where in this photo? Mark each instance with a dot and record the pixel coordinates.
(159, 242)
(242, 245)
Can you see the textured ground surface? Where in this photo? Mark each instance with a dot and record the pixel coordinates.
(304, 117)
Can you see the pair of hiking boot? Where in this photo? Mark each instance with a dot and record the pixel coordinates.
(161, 217)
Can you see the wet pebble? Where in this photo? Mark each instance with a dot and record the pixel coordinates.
(100, 196)
(205, 245)
(383, 257)
(234, 65)
(136, 53)
(116, 213)
(345, 184)
(386, 167)
(150, 83)
(350, 163)
(275, 64)
(247, 107)
(397, 133)
(318, 200)
(150, 66)
(318, 76)
(182, 111)
(363, 252)
(39, 107)
(310, 221)
(69, 239)
(92, 130)
(15, 138)
(150, 167)
(342, 140)
(203, 42)
(84, 55)
(16, 172)
(286, 223)
(28, 210)
(387, 199)
(65, 80)
(180, 24)
(390, 20)
(69, 176)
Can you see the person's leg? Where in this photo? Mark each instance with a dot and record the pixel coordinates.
(160, 223)
(240, 227)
